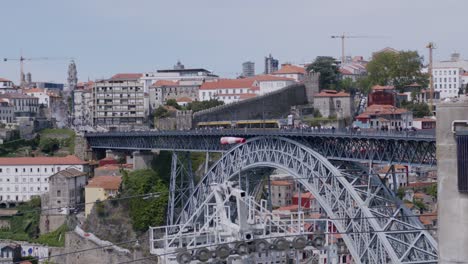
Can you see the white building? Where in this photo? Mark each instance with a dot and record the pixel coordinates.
(7, 86)
(291, 71)
(227, 90)
(21, 178)
(179, 73)
(83, 105)
(120, 102)
(448, 76)
(41, 94)
(401, 176)
(270, 83)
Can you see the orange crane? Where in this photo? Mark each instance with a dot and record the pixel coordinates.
(343, 37)
(21, 59)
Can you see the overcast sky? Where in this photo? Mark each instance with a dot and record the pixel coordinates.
(111, 36)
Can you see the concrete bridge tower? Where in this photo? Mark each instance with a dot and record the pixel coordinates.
(452, 181)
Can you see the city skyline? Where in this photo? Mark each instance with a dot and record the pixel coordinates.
(107, 37)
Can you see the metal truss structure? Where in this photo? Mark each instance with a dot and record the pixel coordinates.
(181, 185)
(374, 224)
(399, 148)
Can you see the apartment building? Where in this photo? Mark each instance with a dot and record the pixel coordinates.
(120, 102)
(24, 105)
(448, 76)
(83, 104)
(24, 177)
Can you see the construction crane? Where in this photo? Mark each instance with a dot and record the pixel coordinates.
(431, 46)
(22, 59)
(343, 37)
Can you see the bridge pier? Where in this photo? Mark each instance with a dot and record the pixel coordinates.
(452, 204)
(142, 160)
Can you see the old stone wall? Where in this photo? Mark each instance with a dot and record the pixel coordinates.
(272, 105)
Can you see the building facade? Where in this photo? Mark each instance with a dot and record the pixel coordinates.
(66, 191)
(163, 90)
(7, 112)
(271, 65)
(120, 103)
(332, 103)
(248, 69)
(448, 75)
(294, 72)
(7, 86)
(385, 117)
(281, 192)
(25, 177)
(24, 105)
(227, 90)
(100, 188)
(83, 105)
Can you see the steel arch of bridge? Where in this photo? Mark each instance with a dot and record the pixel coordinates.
(376, 227)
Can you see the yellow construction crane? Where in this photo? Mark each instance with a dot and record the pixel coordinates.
(22, 59)
(343, 37)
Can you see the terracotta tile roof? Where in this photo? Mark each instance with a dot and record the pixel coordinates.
(398, 169)
(420, 184)
(331, 93)
(410, 205)
(69, 173)
(428, 219)
(382, 88)
(227, 83)
(345, 71)
(292, 207)
(34, 90)
(268, 78)
(247, 95)
(290, 69)
(383, 110)
(281, 183)
(68, 160)
(465, 74)
(109, 167)
(184, 100)
(126, 76)
(17, 96)
(306, 195)
(161, 83)
(4, 80)
(105, 182)
(85, 85)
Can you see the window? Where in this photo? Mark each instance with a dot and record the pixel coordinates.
(16, 169)
(38, 179)
(59, 193)
(30, 170)
(24, 169)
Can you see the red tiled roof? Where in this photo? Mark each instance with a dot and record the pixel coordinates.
(331, 93)
(105, 182)
(34, 90)
(126, 76)
(227, 83)
(281, 183)
(184, 100)
(4, 80)
(306, 195)
(345, 71)
(160, 83)
(290, 69)
(465, 74)
(382, 88)
(109, 167)
(68, 160)
(428, 219)
(292, 207)
(420, 184)
(384, 110)
(247, 95)
(268, 78)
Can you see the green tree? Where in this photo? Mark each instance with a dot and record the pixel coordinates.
(145, 212)
(419, 109)
(49, 145)
(328, 67)
(432, 190)
(161, 112)
(202, 105)
(346, 84)
(173, 103)
(398, 69)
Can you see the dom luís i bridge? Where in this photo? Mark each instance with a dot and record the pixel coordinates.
(227, 217)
